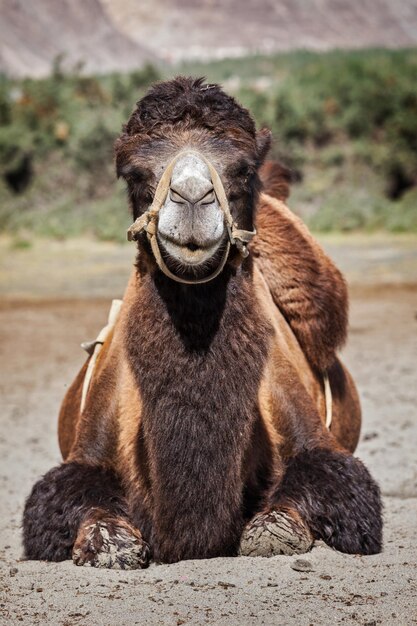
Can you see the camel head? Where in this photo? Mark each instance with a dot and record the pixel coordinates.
(192, 128)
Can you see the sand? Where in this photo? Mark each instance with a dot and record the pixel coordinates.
(45, 314)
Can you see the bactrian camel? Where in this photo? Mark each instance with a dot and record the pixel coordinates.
(214, 417)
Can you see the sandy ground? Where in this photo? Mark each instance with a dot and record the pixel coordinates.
(45, 314)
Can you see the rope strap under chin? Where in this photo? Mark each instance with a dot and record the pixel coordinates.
(148, 222)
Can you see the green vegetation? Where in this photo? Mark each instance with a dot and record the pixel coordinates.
(344, 122)
(56, 153)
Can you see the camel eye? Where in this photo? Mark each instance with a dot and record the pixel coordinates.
(208, 198)
(175, 197)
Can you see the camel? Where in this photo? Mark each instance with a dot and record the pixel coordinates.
(213, 417)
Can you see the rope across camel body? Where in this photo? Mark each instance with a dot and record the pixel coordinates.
(148, 222)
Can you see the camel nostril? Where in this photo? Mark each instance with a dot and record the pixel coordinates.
(192, 246)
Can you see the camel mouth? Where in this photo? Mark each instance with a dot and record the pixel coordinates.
(189, 220)
(191, 254)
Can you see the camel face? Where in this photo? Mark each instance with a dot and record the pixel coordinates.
(191, 225)
(189, 118)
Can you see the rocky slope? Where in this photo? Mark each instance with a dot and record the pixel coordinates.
(176, 29)
(122, 34)
(33, 34)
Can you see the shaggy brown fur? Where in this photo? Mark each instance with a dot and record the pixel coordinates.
(196, 470)
(305, 285)
(207, 406)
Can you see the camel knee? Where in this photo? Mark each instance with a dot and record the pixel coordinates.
(276, 531)
(59, 502)
(337, 498)
(110, 541)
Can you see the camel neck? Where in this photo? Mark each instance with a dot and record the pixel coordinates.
(196, 311)
(198, 362)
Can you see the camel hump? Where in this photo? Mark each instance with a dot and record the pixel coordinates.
(303, 281)
(276, 179)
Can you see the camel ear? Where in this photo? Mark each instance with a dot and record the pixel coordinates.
(263, 144)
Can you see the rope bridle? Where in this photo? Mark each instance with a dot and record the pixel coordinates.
(148, 222)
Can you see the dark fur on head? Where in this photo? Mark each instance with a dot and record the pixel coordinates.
(186, 112)
(190, 101)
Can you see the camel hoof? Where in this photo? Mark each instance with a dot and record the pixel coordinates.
(275, 532)
(110, 543)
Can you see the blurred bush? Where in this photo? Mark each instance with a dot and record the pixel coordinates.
(56, 152)
(345, 122)
(356, 98)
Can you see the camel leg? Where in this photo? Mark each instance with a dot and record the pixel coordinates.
(324, 495)
(80, 510)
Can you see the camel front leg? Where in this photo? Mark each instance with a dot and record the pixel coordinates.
(324, 495)
(80, 511)
(277, 530)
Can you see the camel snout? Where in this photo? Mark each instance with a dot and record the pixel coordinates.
(191, 223)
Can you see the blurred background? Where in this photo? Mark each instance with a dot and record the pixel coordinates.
(336, 81)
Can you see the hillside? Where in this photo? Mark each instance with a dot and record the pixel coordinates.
(184, 29)
(121, 35)
(33, 34)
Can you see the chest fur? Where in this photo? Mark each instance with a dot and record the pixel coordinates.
(198, 364)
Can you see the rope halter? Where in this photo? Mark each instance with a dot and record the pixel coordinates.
(148, 222)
